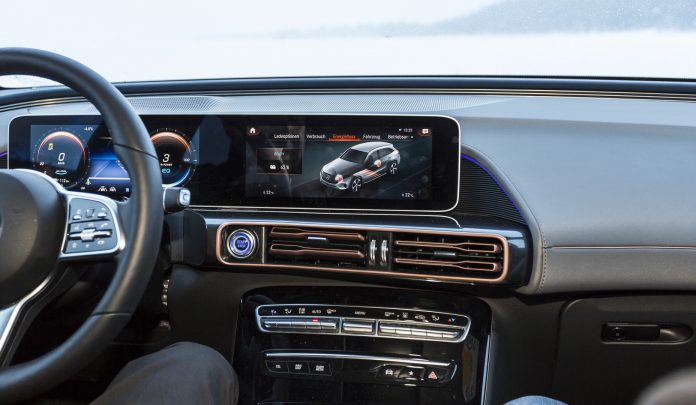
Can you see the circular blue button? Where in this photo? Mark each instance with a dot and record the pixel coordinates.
(241, 244)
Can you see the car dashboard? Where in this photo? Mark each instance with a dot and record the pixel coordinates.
(420, 243)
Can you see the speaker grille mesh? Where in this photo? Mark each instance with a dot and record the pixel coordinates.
(480, 194)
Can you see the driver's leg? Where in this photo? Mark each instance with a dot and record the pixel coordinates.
(183, 373)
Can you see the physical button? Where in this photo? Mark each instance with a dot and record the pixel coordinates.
(241, 244)
(314, 324)
(298, 367)
(389, 372)
(411, 374)
(319, 368)
(277, 366)
(387, 330)
(359, 327)
(435, 374)
(418, 332)
(329, 325)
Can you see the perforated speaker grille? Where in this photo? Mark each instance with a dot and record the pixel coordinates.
(480, 194)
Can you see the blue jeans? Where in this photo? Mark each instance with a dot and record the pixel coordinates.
(534, 400)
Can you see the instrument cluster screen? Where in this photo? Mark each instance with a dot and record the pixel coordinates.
(78, 153)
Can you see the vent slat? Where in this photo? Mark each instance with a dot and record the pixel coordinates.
(304, 233)
(462, 246)
(464, 265)
(313, 252)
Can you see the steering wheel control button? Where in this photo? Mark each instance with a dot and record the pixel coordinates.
(93, 232)
(82, 209)
(241, 244)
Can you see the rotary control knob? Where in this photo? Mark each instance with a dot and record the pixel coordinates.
(241, 244)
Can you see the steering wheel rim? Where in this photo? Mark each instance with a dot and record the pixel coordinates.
(140, 217)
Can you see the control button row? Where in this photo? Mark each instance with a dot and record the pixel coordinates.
(299, 367)
(294, 324)
(87, 210)
(366, 313)
(91, 228)
(418, 331)
(410, 373)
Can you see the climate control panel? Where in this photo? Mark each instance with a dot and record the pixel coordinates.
(395, 323)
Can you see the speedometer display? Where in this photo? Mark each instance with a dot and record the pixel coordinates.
(62, 156)
(175, 155)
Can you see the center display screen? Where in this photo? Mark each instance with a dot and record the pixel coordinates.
(397, 163)
(389, 163)
(261, 161)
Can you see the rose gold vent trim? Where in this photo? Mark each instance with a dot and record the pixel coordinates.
(303, 233)
(468, 247)
(362, 271)
(306, 252)
(463, 265)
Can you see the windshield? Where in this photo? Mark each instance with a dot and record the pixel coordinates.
(130, 40)
(354, 156)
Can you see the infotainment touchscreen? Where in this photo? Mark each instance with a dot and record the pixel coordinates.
(385, 162)
(352, 161)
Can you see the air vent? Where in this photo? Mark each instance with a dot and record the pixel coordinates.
(449, 254)
(315, 246)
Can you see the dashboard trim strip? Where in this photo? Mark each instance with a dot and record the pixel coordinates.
(349, 356)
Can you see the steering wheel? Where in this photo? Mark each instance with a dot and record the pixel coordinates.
(44, 228)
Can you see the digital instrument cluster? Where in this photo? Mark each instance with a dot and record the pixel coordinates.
(78, 153)
(324, 162)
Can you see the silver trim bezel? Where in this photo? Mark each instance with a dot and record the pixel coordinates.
(418, 361)
(15, 311)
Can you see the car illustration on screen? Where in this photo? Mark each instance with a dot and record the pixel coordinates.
(360, 164)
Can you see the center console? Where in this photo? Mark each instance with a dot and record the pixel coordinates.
(352, 345)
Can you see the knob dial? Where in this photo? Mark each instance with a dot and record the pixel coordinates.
(241, 244)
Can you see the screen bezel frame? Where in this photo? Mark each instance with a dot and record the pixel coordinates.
(446, 188)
